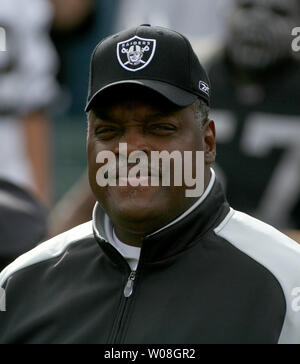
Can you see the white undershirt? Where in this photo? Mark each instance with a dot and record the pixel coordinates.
(131, 253)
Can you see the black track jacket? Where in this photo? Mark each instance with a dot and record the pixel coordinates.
(216, 276)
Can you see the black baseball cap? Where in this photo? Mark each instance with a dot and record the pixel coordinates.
(154, 57)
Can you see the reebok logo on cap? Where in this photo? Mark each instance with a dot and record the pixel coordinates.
(203, 86)
(136, 53)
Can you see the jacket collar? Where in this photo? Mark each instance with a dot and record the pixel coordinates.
(178, 235)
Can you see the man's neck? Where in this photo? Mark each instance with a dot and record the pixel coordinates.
(128, 237)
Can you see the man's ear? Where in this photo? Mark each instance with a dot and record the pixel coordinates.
(210, 142)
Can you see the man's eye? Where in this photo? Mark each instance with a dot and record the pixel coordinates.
(105, 132)
(161, 129)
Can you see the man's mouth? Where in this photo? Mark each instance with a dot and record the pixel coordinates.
(129, 178)
(134, 180)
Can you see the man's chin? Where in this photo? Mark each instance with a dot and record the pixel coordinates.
(136, 204)
(129, 194)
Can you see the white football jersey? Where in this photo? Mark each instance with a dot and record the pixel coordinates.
(27, 77)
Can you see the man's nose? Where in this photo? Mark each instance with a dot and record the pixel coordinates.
(135, 141)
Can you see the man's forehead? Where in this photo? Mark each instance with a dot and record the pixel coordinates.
(130, 97)
(123, 112)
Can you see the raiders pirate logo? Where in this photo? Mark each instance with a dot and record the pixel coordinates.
(136, 53)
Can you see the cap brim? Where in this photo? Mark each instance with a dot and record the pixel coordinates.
(174, 94)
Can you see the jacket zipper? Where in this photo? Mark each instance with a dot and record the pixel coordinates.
(127, 292)
(129, 285)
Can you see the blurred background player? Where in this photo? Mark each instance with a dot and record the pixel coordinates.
(28, 87)
(256, 79)
(27, 90)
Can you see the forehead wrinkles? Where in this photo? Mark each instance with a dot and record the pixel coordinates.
(130, 110)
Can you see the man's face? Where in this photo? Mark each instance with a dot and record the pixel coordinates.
(130, 117)
(260, 31)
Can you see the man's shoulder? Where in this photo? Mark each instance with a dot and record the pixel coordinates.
(264, 244)
(279, 254)
(239, 226)
(48, 250)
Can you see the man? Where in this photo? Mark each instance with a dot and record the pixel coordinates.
(256, 78)
(154, 266)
